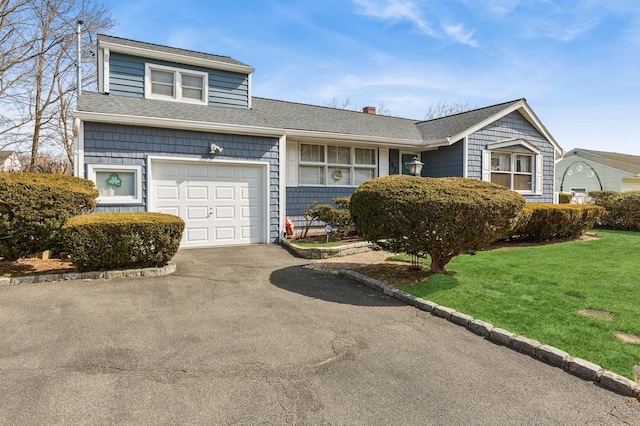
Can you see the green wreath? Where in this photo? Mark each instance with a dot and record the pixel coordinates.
(337, 175)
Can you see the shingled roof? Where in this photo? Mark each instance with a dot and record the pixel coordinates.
(292, 117)
(625, 162)
(171, 50)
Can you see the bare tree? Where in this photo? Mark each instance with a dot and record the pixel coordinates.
(443, 109)
(48, 31)
(346, 104)
(14, 58)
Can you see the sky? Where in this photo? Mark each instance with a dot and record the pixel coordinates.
(577, 62)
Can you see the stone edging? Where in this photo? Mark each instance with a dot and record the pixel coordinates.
(167, 269)
(326, 252)
(579, 367)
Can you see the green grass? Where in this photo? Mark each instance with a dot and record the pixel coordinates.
(537, 292)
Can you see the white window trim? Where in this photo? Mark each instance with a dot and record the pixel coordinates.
(512, 173)
(92, 169)
(177, 81)
(537, 172)
(328, 166)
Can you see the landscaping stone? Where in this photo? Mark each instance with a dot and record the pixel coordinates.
(407, 298)
(480, 327)
(47, 277)
(96, 275)
(5, 281)
(617, 383)
(460, 318)
(551, 355)
(503, 337)
(133, 273)
(525, 345)
(583, 368)
(72, 276)
(113, 274)
(151, 272)
(442, 311)
(425, 305)
(29, 279)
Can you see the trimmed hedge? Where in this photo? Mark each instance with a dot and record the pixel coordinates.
(564, 198)
(35, 206)
(101, 241)
(548, 222)
(623, 209)
(441, 217)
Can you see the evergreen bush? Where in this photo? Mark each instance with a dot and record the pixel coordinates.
(35, 206)
(101, 241)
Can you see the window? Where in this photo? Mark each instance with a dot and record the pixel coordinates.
(117, 184)
(175, 84)
(515, 171)
(336, 165)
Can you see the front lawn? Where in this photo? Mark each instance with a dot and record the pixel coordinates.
(539, 291)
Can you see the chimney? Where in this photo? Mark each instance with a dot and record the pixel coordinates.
(369, 110)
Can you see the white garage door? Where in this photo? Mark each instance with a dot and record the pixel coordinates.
(221, 204)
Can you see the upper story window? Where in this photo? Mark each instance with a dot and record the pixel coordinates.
(336, 165)
(175, 84)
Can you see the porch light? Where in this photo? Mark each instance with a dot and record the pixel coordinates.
(414, 166)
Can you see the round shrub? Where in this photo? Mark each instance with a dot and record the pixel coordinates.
(33, 208)
(101, 241)
(439, 217)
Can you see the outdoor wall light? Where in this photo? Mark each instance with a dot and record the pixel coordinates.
(414, 166)
(215, 149)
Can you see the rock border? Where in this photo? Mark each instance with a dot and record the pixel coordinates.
(167, 269)
(326, 252)
(577, 366)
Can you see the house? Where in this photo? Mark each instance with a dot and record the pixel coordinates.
(9, 162)
(177, 131)
(584, 170)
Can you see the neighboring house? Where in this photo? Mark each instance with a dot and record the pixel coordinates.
(180, 132)
(9, 162)
(584, 170)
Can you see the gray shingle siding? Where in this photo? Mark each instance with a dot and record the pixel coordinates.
(299, 198)
(444, 162)
(226, 89)
(512, 126)
(131, 145)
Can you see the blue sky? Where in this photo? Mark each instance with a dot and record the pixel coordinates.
(576, 62)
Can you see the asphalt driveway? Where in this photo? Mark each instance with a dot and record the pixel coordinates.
(247, 335)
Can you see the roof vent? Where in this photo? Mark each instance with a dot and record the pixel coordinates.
(369, 110)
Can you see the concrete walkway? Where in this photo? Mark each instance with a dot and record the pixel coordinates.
(248, 335)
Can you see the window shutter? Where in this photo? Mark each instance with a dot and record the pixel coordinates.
(486, 165)
(383, 162)
(292, 164)
(539, 175)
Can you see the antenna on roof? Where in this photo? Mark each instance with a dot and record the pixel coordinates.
(79, 59)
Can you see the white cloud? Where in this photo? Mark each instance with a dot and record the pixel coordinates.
(396, 10)
(502, 7)
(459, 34)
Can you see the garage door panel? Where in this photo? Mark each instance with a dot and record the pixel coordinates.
(197, 212)
(165, 192)
(225, 233)
(221, 204)
(225, 193)
(197, 193)
(224, 173)
(225, 212)
(197, 172)
(196, 235)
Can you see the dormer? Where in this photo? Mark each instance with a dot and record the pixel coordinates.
(145, 70)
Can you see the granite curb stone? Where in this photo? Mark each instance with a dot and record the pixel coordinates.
(167, 269)
(558, 358)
